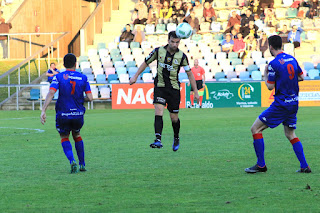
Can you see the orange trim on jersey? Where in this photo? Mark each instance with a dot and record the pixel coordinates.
(301, 73)
(270, 82)
(295, 140)
(88, 92)
(70, 70)
(257, 136)
(64, 140)
(54, 89)
(78, 139)
(279, 53)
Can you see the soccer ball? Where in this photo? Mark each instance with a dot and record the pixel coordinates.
(184, 30)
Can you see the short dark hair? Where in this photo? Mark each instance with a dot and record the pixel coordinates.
(172, 34)
(69, 60)
(275, 41)
(52, 63)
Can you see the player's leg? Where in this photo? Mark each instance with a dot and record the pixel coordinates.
(76, 127)
(297, 148)
(173, 107)
(158, 125)
(200, 91)
(258, 143)
(192, 97)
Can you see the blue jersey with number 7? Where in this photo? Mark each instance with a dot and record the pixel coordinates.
(71, 86)
(283, 72)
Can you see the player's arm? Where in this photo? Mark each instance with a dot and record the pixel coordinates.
(150, 58)
(300, 73)
(87, 90)
(49, 74)
(269, 75)
(48, 100)
(88, 97)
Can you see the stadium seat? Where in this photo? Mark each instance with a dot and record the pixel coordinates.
(105, 92)
(312, 35)
(260, 61)
(130, 64)
(236, 61)
(112, 77)
(205, 27)
(115, 53)
(292, 12)
(121, 70)
(209, 76)
(231, 75)
(240, 68)
(227, 68)
(132, 70)
(109, 70)
(232, 3)
(218, 37)
(160, 28)
(281, 13)
(137, 52)
(101, 46)
(215, 69)
(287, 3)
(117, 58)
(134, 45)
(119, 64)
(171, 27)
(125, 51)
(124, 78)
(221, 55)
(90, 78)
(252, 67)
(147, 77)
(248, 61)
(196, 37)
(101, 79)
(215, 27)
(256, 55)
(107, 64)
(244, 76)
(95, 92)
(103, 53)
(219, 75)
(288, 48)
(223, 15)
(308, 66)
(220, 4)
(83, 58)
(183, 77)
(87, 71)
(34, 96)
(128, 58)
(313, 73)
(123, 44)
(98, 71)
(232, 55)
(316, 59)
(112, 45)
(297, 22)
(256, 76)
(85, 64)
(94, 59)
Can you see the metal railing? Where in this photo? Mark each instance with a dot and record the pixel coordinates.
(31, 57)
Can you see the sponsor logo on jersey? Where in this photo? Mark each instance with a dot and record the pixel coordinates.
(168, 59)
(166, 66)
(176, 61)
(65, 76)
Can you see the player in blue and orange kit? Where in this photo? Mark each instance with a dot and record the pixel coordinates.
(283, 74)
(69, 108)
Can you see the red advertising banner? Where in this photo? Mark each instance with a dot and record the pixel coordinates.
(138, 96)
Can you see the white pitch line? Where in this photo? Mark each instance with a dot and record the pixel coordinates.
(25, 133)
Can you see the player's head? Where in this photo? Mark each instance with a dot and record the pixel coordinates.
(128, 27)
(69, 61)
(173, 40)
(52, 65)
(294, 28)
(275, 44)
(196, 62)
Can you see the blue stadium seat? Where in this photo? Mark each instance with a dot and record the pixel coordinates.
(101, 79)
(219, 75)
(252, 67)
(83, 58)
(90, 77)
(131, 64)
(121, 70)
(101, 46)
(232, 55)
(236, 61)
(134, 45)
(308, 65)
(256, 76)
(34, 94)
(244, 76)
(183, 76)
(292, 13)
(112, 77)
(196, 37)
(313, 73)
(132, 70)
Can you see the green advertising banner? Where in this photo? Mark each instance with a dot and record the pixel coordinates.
(229, 95)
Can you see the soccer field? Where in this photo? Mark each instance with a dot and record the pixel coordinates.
(124, 175)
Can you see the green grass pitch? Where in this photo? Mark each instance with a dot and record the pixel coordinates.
(124, 175)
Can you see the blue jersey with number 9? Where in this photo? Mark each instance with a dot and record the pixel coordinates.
(283, 71)
(71, 86)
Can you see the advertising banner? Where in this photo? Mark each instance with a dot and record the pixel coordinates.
(229, 95)
(309, 94)
(137, 96)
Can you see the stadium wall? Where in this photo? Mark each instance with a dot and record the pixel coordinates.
(216, 95)
(49, 16)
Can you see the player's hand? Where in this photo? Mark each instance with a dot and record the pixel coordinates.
(197, 97)
(133, 80)
(43, 117)
(188, 84)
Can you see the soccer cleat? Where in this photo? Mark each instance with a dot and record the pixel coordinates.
(74, 168)
(304, 170)
(82, 168)
(255, 169)
(175, 145)
(157, 144)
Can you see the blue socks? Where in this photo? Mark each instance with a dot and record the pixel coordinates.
(298, 149)
(259, 148)
(80, 149)
(67, 148)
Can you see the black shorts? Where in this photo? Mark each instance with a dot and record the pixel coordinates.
(199, 85)
(167, 96)
(65, 125)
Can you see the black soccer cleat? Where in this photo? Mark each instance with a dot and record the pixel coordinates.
(255, 169)
(304, 170)
(157, 144)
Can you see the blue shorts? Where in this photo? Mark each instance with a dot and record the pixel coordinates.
(276, 114)
(64, 125)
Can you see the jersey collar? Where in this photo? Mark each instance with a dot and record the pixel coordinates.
(70, 70)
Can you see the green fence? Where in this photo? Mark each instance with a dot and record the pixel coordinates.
(229, 95)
